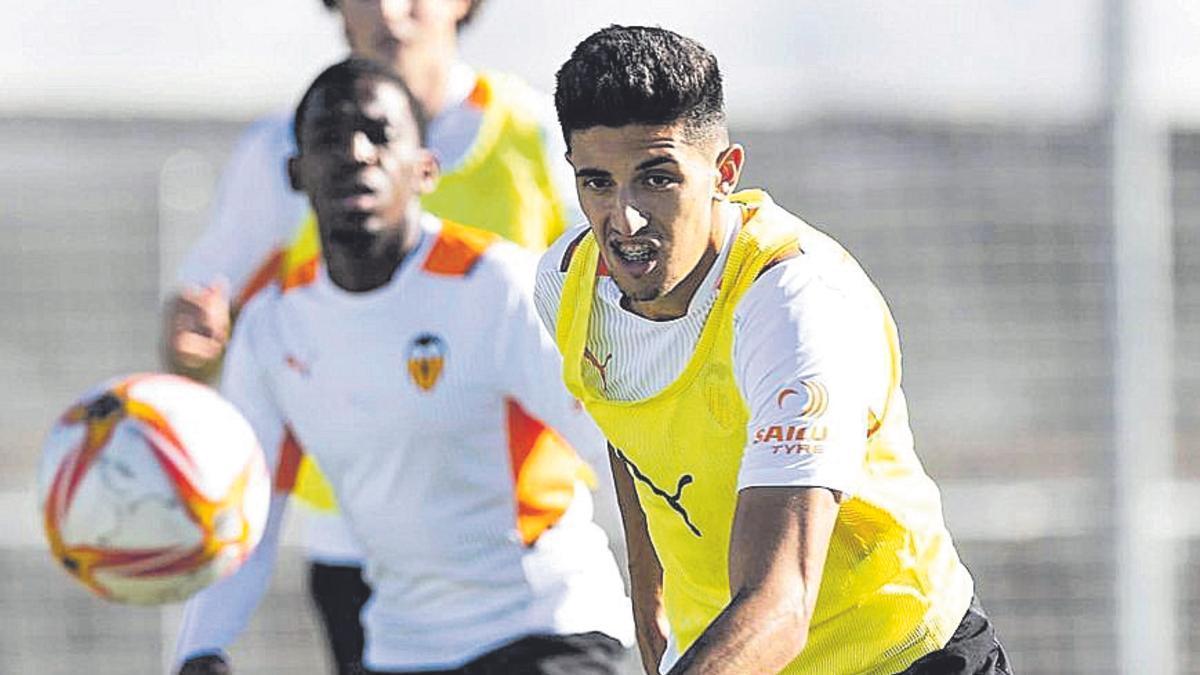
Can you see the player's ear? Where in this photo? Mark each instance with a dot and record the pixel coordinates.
(729, 170)
(293, 172)
(427, 171)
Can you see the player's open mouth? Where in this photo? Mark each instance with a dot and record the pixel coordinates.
(635, 257)
(634, 252)
(359, 202)
(357, 197)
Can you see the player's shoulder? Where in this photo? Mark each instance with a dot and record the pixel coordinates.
(813, 293)
(557, 259)
(272, 296)
(787, 282)
(294, 279)
(808, 265)
(464, 253)
(258, 320)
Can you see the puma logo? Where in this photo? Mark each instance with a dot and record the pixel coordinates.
(601, 368)
(673, 500)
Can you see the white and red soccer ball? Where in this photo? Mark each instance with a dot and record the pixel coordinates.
(151, 487)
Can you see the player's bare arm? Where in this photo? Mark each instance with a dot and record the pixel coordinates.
(776, 555)
(645, 571)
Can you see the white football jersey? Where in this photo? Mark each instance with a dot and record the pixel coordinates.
(423, 401)
(256, 214)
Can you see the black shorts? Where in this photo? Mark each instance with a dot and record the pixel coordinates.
(974, 649)
(339, 593)
(580, 654)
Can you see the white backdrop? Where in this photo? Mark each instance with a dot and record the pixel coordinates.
(949, 58)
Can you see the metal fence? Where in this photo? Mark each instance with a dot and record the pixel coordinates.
(992, 243)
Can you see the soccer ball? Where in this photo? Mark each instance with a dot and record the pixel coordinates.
(151, 487)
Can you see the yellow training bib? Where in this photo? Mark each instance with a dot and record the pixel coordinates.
(893, 588)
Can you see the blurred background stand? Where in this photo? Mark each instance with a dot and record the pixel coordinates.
(1022, 179)
(1143, 329)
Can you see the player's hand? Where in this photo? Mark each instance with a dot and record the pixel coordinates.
(211, 664)
(195, 331)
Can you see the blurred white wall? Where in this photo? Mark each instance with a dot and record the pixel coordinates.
(947, 58)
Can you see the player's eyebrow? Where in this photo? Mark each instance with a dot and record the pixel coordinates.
(592, 173)
(651, 163)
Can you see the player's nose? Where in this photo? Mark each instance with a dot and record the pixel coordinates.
(628, 219)
(362, 150)
(392, 10)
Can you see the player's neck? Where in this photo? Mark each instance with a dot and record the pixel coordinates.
(379, 264)
(428, 77)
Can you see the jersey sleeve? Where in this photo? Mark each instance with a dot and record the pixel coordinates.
(254, 214)
(803, 363)
(215, 616)
(531, 368)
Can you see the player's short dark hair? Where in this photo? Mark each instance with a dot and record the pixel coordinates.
(639, 75)
(345, 74)
(332, 4)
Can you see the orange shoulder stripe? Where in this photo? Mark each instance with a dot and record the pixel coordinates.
(301, 275)
(266, 273)
(457, 250)
(481, 95)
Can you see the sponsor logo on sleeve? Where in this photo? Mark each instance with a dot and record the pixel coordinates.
(801, 432)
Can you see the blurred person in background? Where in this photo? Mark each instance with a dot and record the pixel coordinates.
(410, 361)
(746, 373)
(502, 169)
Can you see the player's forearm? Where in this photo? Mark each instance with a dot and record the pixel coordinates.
(215, 616)
(646, 595)
(645, 570)
(760, 631)
(776, 556)
(645, 582)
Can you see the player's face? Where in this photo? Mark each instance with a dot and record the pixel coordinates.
(362, 166)
(650, 195)
(390, 31)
